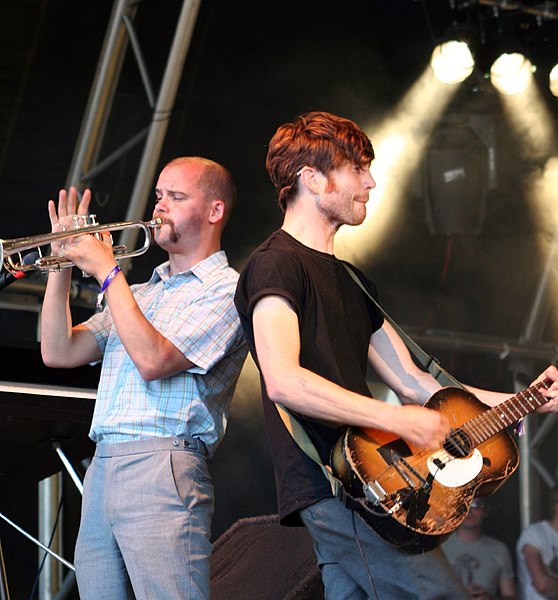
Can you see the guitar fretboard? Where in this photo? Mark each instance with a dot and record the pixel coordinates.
(496, 419)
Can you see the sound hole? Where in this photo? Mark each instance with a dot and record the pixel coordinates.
(458, 444)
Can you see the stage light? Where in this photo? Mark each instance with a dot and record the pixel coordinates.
(452, 61)
(553, 80)
(511, 73)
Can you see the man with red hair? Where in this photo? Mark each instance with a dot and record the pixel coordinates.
(313, 332)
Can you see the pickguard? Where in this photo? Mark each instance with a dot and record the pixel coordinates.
(454, 472)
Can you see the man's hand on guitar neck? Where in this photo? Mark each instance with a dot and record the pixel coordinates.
(551, 393)
(549, 390)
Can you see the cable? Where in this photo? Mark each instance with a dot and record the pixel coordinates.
(41, 566)
(364, 562)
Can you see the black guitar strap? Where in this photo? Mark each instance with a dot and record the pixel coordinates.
(427, 361)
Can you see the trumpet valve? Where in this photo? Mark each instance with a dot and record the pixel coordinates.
(83, 221)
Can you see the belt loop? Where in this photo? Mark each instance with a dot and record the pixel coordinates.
(191, 443)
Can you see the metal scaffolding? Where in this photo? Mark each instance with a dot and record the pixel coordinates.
(532, 470)
(87, 162)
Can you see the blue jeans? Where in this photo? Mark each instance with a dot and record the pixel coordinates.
(381, 572)
(145, 523)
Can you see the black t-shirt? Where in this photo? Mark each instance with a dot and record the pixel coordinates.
(336, 320)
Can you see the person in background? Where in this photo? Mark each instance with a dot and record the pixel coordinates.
(171, 350)
(483, 563)
(537, 556)
(313, 334)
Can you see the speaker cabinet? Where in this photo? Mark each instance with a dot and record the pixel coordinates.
(259, 559)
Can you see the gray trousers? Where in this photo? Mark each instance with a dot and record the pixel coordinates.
(364, 566)
(145, 523)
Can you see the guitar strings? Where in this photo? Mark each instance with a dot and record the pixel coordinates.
(483, 426)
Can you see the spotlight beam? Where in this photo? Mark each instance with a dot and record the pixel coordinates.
(399, 143)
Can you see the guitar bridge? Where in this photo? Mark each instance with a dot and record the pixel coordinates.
(374, 492)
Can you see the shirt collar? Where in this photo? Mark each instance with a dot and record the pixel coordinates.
(202, 270)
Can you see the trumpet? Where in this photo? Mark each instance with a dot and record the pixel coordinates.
(11, 251)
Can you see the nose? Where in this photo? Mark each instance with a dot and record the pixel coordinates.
(369, 181)
(161, 205)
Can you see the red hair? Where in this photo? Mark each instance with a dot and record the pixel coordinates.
(316, 139)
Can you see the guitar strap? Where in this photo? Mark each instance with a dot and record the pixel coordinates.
(427, 361)
(304, 442)
(299, 434)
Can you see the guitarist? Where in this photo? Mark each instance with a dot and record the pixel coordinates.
(312, 333)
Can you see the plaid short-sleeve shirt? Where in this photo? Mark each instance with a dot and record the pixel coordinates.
(195, 311)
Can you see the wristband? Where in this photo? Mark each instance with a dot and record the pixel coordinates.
(105, 285)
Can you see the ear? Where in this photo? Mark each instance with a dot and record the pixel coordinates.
(313, 179)
(217, 211)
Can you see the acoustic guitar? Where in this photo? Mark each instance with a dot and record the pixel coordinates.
(415, 497)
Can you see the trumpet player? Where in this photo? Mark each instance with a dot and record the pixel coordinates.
(171, 352)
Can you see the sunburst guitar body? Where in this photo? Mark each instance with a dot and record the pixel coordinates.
(415, 497)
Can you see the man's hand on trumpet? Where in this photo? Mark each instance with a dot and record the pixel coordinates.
(68, 207)
(92, 255)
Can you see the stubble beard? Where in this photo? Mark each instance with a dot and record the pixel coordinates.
(346, 212)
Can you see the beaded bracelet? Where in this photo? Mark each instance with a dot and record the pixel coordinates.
(105, 285)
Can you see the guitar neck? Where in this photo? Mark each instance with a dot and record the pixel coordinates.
(496, 419)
